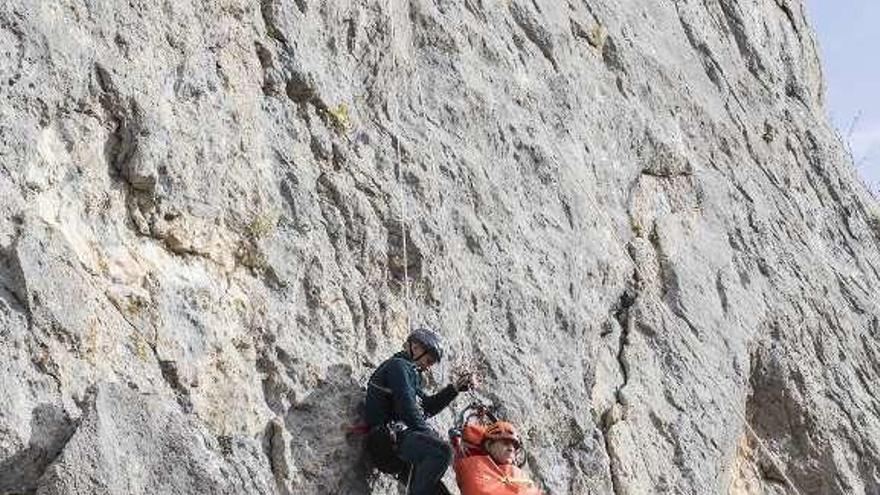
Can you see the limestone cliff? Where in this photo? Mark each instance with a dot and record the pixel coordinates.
(632, 217)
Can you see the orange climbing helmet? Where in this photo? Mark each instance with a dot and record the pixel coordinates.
(502, 430)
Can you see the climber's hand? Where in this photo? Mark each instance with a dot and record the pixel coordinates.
(466, 381)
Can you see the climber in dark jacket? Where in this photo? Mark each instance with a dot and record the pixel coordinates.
(396, 409)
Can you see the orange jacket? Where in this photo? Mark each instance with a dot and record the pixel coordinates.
(480, 475)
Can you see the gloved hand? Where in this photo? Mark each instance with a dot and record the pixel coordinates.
(465, 382)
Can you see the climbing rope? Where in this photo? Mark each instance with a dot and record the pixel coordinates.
(445, 223)
(444, 213)
(767, 451)
(394, 115)
(443, 219)
(402, 223)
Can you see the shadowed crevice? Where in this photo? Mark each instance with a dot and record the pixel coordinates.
(50, 430)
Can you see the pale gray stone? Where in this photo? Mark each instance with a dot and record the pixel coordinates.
(135, 443)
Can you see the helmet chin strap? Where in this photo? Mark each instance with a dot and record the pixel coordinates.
(415, 358)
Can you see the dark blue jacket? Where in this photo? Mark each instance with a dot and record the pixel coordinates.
(395, 394)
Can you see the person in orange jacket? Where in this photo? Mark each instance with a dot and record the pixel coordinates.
(485, 461)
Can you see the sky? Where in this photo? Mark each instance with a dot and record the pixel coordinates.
(849, 38)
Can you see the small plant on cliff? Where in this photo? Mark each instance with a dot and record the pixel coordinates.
(273, 32)
(262, 225)
(597, 36)
(339, 118)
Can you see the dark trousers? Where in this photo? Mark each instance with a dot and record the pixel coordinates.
(429, 456)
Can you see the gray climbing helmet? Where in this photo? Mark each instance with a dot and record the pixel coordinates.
(430, 340)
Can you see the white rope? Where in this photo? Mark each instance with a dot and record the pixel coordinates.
(435, 174)
(443, 220)
(444, 213)
(394, 112)
(772, 457)
(402, 223)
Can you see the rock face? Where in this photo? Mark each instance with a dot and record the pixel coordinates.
(633, 218)
(131, 442)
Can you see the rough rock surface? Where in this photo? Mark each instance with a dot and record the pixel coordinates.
(131, 442)
(632, 217)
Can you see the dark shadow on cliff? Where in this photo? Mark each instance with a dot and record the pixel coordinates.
(320, 437)
(50, 429)
(786, 414)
